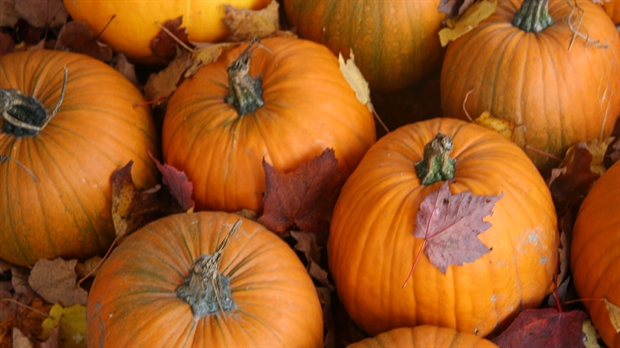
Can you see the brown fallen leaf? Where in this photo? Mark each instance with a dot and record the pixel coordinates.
(8, 15)
(164, 44)
(161, 85)
(304, 197)
(581, 167)
(546, 327)
(450, 225)
(127, 69)
(7, 45)
(132, 208)
(206, 54)
(76, 37)
(42, 14)
(19, 280)
(245, 24)
(89, 267)
(56, 282)
(53, 341)
(177, 183)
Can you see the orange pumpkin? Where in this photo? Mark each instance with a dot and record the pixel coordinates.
(612, 7)
(595, 252)
(371, 247)
(307, 107)
(395, 43)
(266, 298)
(424, 336)
(56, 182)
(133, 24)
(553, 93)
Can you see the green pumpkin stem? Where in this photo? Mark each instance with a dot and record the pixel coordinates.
(24, 115)
(245, 92)
(533, 16)
(436, 165)
(205, 289)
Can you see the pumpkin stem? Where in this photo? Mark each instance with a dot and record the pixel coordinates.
(245, 92)
(206, 290)
(533, 16)
(436, 165)
(24, 115)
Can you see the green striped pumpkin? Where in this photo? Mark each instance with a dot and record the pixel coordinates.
(395, 43)
(55, 184)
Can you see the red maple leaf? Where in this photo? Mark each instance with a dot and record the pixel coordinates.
(546, 327)
(450, 225)
(177, 183)
(305, 197)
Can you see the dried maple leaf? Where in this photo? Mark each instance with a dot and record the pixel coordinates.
(206, 54)
(56, 282)
(77, 37)
(450, 225)
(304, 197)
(546, 327)
(43, 14)
(122, 65)
(244, 24)
(132, 208)
(177, 183)
(164, 44)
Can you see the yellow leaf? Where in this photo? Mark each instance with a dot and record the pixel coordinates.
(206, 54)
(476, 13)
(614, 314)
(499, 125)
(591, 334)
(356, 80)
(72, 325)
(245, 24)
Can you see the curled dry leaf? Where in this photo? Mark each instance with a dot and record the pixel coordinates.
(614, 314)
(77, 37)
(244, 24)
(127, 69)
(7, 45)
(164, 44)
(356, 80)
(42, 14)
(19, 280)
(500, 125)
(450, 225)
(56, 282)
(90, 267)
(177, 183)
(206, 54)
(20, 340)
(162, 84)
(132, 208)
(304, 197)
(470, 18)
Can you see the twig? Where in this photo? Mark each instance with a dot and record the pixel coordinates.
(575, 31)
(171, 34)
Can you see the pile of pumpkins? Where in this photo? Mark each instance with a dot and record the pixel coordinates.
(70, 121)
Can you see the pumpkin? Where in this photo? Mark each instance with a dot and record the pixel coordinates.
(595, 252)
(371, 247)
(306, 107)
(395, 43)
(424, 336)
(56, 181)
(612, 7)
(133, 24)
(149, 293)
(553, 87)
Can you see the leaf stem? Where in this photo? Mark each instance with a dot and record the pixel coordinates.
(415, 263)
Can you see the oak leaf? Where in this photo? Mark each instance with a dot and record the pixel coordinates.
(450, 225)
(546, 327)
(304, 197)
